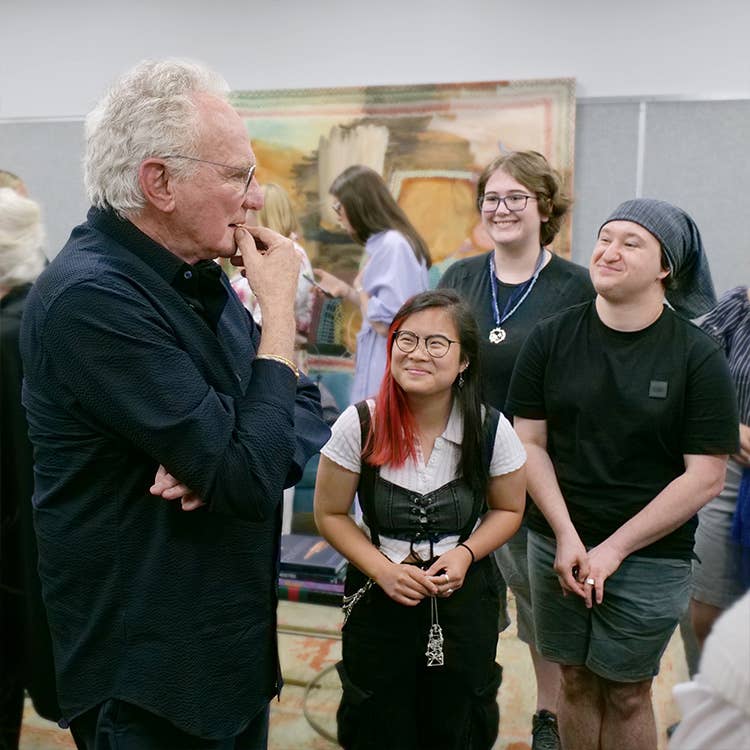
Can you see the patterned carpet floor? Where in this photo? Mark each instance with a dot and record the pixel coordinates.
(310, 643)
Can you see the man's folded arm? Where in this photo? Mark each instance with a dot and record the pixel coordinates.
(125, 368)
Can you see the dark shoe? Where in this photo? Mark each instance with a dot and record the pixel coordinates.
(544, 732)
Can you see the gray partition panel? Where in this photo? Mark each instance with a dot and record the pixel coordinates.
(47, 156)
(697, 156)
(605, 167)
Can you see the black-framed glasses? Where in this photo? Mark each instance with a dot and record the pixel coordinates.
(238, 172)
(435, 345)
(514, 202)
(337, 208)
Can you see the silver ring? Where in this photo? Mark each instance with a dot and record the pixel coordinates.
(590, 582)
(449, 591)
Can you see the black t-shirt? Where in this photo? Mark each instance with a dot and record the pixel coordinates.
(622, 410)
(560, 284)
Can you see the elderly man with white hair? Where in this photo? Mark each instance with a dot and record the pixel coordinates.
(166, 426)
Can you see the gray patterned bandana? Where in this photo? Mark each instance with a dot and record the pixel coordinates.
(690, 289)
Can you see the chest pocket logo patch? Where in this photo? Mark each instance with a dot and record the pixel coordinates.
(658, 389)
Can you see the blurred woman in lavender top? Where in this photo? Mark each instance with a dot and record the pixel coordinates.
(395, 267)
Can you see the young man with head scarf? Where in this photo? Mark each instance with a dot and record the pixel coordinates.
(627, 412)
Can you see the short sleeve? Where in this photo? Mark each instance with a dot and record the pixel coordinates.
(526, 392)
(508, 454)
(393, 274)
(345, 446)
(711, 418)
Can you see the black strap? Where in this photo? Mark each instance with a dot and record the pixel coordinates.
(489, 430)
(367, 474)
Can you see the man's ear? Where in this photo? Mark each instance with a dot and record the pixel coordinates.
(157, 185)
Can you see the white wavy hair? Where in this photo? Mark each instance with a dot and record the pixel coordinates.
(149, 112)
(21, 239)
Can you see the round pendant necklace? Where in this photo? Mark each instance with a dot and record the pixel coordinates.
(516, 299)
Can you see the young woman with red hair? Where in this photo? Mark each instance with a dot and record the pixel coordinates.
(441, 481)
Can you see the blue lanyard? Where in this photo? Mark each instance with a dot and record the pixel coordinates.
(521, 291)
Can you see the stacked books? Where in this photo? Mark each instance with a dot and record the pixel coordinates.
(311, 570)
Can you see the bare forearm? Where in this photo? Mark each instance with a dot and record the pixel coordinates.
(496, 528)
(545, 490)
(360, 298)
(379, 328)
(343, 534)
(679, 501)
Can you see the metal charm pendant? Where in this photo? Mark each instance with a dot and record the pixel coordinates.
(434, 651)
(497, 335)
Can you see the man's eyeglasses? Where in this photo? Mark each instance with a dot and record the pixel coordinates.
(514, 202)
(337, 208)
(436, 345)
(237, 172)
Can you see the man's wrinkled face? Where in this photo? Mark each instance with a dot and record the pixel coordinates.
(214, 199)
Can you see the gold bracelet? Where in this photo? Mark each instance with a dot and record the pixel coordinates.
(281, 360)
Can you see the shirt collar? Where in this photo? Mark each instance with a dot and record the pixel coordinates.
(199, 284)
(454, 430)
(127, 234)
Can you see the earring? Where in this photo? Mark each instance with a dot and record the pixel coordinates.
(461, 379)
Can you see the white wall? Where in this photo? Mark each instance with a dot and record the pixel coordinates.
(634, 64)
(58, 56)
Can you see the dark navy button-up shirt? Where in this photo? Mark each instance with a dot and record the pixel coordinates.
(128, 365)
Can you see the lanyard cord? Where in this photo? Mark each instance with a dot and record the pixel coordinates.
(521, 291)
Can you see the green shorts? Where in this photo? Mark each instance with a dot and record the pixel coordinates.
(623, 638)
(513, 564)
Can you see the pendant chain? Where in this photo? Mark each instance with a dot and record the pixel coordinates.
(516, 299)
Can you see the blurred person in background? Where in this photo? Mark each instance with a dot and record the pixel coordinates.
(722, 540)
(395, 267)
(10, 180)
(25, 645)
(278, 214)
(715, 705)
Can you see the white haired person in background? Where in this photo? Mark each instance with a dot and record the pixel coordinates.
(25, 648)
(10, 180)
(716, 704)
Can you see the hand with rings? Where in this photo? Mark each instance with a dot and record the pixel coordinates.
(449, 590)
(449, 570)
(444, 583)
(603, 562)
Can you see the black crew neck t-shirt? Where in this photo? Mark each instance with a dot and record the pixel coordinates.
(560, 284)
(622, 411)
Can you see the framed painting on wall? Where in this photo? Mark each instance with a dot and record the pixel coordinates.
(429, 142)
